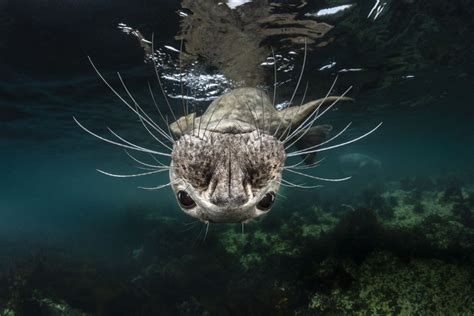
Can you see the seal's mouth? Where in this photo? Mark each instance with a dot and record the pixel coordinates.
(228, 210)
(228, 215)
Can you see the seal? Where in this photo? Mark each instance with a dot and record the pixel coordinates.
(227, 164)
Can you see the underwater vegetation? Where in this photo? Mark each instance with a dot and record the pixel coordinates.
(403, 248)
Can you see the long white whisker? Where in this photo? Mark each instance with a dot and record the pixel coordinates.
(207, 229)
(296, 88)
(156, 159)
(275, 78)
(318, 178)
(155, 66)
(308, 126)
(301, 72)
(162, 166)
(185, 110)
(289, 184)
(326, 141)
(290, 125)
(263, 111)
(169, 135)
(300, 162)
(138, 148)
(160, 186)
(130, 175)
(126, 141)
(297, 165)
(190, 226)
(314, 111)
(147, 119)
(335, 146)
(154, 125)
(148, 168)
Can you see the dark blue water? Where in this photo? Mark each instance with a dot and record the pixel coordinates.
(101, 246)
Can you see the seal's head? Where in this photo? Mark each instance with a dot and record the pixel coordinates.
(226, 178)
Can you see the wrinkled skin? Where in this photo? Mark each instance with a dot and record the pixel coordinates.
(227, 163)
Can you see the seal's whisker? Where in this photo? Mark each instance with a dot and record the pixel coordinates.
(191, 223)
(335, 146)
(185, 109)
(274, 79)
(144, 163)
(318, 178)
(300, 162)
(126, 141)
(301, 72)
(296, 88)
(155, 66)
(308, 126)
(297, 165)
(207, 230)
(280, 195)
(130, 175)
(263, 111)
(149, 168)
(138, 148)
(190, 227)
(287, 130)
(170, 135)
(138, 108)
(326, 141)
(121, 98)
(158, 187)
(310, 166)
(274, 91)
(159, 162)
(289, 184)
(315, 110)
(168, 126)
(200, 232)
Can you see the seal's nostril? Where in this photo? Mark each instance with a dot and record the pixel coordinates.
(219, 200)
(232, 201)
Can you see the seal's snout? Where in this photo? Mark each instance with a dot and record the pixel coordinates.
(226, 187)
(227, 191)
(230, 201)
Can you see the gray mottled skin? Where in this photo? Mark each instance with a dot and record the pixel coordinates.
(228, 159)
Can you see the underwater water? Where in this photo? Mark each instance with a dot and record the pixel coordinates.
(396, 238)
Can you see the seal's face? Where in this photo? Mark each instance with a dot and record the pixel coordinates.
(226, 178)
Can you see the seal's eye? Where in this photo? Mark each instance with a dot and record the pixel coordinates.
(266, 202)
(185, 200)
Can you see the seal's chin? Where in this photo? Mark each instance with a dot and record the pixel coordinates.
(225, 215)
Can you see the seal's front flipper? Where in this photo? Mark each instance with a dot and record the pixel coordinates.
(295, 115)
(184, 125)
(314, 136)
